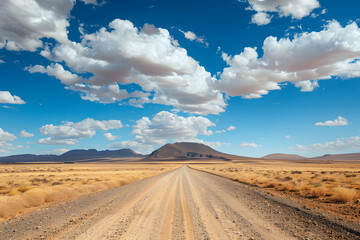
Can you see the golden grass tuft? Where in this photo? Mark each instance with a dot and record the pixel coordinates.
(318, 192)
(342, 194)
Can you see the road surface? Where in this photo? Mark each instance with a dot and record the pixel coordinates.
(180, 204)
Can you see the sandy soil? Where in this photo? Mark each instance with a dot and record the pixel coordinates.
(180, 204)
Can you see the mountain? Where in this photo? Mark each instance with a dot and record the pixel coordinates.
(73, 156)
(348, 156)
(282, 156)
(79, 154)
(28, 158)
(185, 150)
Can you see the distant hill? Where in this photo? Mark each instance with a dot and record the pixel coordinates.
(185, 150)
(79, 154)
(72, 156)
(28, 158)
(327, 157)
(348, 156)
(282, 156)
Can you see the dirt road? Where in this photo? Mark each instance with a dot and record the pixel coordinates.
(180, 204)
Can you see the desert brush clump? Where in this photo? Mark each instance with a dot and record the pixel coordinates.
(343, 194)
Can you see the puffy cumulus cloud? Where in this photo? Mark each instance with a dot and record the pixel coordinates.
(25, 134)
(337, 145)
(193, 37)
(109, 136)
(23, 23)
(249, 145)
(165, 127)
(307, 85)
(148, 57)
(57, 71)
(6, 97)
(296, 9)
(261, 18)
(110, 94)
(6, 137)
(332, 52)
(69, 133)
(339, 121)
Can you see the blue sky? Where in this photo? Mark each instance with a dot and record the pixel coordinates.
(246, 77)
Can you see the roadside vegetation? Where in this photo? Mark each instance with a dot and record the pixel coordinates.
(336, 184)
(25, 186)
(331, 187)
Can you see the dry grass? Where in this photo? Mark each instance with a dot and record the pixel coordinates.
(342, 194)
(23, 187)
(336, 183)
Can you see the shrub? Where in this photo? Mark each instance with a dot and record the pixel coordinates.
(342, 194)
(318, 192)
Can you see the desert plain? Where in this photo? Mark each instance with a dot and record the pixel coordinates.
(187, 199)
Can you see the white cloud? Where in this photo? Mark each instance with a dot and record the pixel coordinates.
(8, 147)
(307, 85)
(90, 2)
(23, 23)
(8, 107)
(249, 145)
(6, 97)
(296, 9)
(2, 61)
(57, 71)
(287, 136)
(110, 94)
(337, 145)
(149, 58)
(193, 37)
(339, 121)
(332, 52)
(6, 137)
(69, 133)
(109, 136)
(261, 18)
(51, 141)
(230, 128)
(165, 127)
(25, 134)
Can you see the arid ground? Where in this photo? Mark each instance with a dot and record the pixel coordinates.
(24, 187)
(253, 200)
